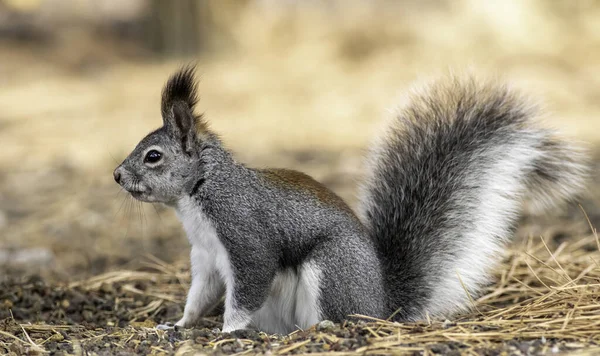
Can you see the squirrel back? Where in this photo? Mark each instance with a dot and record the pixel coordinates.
(446, 184)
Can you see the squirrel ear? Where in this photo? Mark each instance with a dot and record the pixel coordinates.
(185, 125)
(179, 98)
(181, 87)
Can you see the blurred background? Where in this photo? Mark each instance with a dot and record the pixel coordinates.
(299, 84)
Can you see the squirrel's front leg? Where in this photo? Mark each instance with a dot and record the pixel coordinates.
(206, 289)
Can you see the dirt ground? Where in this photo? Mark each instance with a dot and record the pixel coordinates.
(87, 270)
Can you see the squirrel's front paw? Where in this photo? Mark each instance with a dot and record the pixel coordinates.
(166, 326)
(183, 323)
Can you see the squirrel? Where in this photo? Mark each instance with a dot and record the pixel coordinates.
(444, 189)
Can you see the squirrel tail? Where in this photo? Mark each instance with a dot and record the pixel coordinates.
(445, 187)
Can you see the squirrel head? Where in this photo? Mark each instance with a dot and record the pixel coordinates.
(165, 161)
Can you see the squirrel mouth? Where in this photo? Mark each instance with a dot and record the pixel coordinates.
(138, 193)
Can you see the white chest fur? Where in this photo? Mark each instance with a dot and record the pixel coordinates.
(196, 224)
(203, 237)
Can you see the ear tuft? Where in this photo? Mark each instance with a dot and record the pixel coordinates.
(181, 87)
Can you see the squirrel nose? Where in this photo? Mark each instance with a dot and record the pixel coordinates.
(117, 176)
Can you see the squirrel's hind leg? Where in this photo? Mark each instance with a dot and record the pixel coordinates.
(349, 280)
(293, 300)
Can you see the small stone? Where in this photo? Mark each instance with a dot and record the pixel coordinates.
(326, 325)
(439, 349)
(57, 337)
(447, 324)
(245, 334)
(107, 288)
(87, 315)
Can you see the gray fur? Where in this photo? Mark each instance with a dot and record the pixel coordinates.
(288, 252)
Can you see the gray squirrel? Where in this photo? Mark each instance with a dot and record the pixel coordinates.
(445, 186)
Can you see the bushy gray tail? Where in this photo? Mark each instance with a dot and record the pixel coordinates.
(446, 187)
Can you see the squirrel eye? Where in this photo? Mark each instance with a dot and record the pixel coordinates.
(152, 156)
